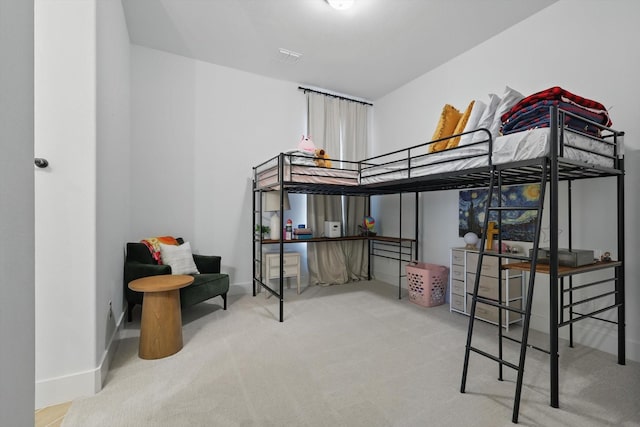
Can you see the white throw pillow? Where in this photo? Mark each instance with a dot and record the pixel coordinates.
(472, 123)
(179, 258)
(486, 120)
(510, 98)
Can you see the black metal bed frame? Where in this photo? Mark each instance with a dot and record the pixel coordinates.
(548, 170)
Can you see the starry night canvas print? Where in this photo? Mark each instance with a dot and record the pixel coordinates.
(516, 225)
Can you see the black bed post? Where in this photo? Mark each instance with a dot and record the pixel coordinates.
(417, 230)
(553, 261)
(570, 226)
(400, 247)
(253, 228)
(281, 236)
(368, 240)
(620, 270)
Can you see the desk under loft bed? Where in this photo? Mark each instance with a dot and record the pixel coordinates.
(550, 156)
(285, 172)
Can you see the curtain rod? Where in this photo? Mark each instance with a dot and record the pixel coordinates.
(306, 89)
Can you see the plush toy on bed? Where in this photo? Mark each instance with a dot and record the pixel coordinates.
(306, 145)
(322, 158)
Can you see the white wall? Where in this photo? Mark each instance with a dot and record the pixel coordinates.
(551, 48)
(81, 112)
(113, 153)
(65, 226)
(197, 131)
(17, 324)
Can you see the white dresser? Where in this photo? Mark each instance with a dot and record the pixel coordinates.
(463, 274)
(291, 263)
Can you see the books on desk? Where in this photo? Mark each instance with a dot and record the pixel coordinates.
(302, 233)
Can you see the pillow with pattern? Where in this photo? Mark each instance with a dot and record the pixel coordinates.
(153, 243)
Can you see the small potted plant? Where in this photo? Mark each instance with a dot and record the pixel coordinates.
(263, 230)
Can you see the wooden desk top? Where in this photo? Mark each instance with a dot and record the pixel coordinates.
(161, 283)
(563, 270)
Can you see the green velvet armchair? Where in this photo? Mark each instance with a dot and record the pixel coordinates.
(208, 284)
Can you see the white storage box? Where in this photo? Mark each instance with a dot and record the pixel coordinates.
(331, 229)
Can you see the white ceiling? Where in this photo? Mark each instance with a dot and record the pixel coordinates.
(366, 52)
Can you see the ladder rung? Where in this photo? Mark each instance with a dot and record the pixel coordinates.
(528, 345)
(494, 358)
(502, 306)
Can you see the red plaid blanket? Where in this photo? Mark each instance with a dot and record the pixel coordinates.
(559, 94)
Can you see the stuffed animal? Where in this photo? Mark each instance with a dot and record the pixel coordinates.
(306, 145)
(322, 158)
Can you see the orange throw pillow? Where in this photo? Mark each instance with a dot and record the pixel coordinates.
(449, 118)
(462, 123)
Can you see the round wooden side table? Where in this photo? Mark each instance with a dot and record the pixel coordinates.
(161, 323)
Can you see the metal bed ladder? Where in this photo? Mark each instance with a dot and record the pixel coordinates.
(524, 312)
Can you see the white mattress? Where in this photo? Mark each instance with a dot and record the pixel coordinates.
(513, 147)
(307, 175)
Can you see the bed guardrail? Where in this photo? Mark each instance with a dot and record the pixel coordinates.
(607, 143)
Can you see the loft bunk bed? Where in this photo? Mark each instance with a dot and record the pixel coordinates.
(558, 152)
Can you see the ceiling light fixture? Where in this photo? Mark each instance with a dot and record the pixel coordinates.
(341, 4)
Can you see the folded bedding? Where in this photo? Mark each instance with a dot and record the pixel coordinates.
(556, 93)
(538, 115)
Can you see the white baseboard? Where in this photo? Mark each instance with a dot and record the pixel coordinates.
(53, 391)
(109, 353)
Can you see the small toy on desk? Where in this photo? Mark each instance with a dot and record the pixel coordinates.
(606, 257)
(492, 233)
(368, 227)
(322, 158)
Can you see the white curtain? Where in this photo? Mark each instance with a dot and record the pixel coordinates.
(340, 127)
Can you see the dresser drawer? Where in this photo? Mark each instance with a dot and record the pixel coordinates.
(288, 260)
(289, 271)
(457, 272)
(457, 287)
(457, 257)
(291, 265)
(490, 264)
(488, 286)
(490, 313)
(457, 302)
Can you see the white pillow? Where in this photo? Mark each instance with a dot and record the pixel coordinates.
(472, 123)
(509, 99)
(179, 258)
(487, 117)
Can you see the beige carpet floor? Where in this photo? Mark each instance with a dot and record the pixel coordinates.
(350, 355)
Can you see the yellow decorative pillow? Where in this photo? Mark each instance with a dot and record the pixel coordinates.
(449, 118)
(460, 126)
